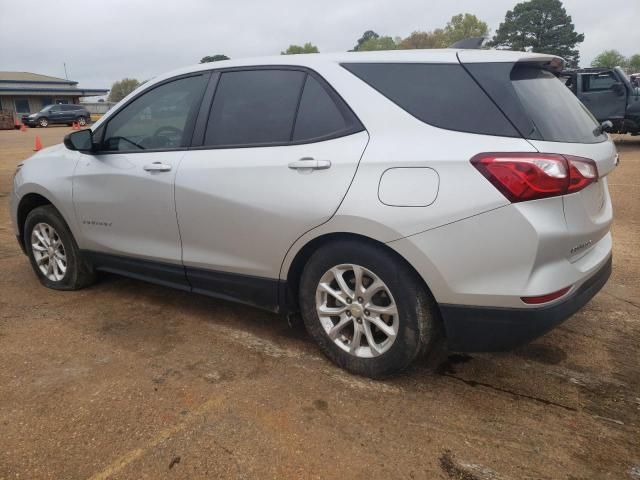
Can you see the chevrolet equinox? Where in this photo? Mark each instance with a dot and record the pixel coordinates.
(390, 198)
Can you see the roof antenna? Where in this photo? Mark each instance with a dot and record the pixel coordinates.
(65, 71)
(472, 43)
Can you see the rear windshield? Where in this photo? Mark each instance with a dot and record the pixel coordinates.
(442, 95)
(556, 113)
(539, 105)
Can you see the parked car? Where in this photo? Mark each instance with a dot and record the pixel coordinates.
(52, 114)
(609, 95)
(389, 197)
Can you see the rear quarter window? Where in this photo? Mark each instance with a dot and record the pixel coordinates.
(442, 95)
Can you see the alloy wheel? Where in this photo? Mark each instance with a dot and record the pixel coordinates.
(357, 310)
(48, 252)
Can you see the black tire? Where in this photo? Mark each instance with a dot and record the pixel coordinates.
(418, 320)
(82, 121)
(43, 122)
(79, 273)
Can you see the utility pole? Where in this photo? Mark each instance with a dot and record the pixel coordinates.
(65, 71)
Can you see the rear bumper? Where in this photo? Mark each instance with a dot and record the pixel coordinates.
(488, 329)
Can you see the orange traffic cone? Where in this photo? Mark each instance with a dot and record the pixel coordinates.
(76, 126)
(16, 123)
(38, 146)
(23, 128)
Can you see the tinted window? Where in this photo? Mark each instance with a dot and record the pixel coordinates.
(318, 114)
(443, 95)
(557, 115)
(160, 118)
(254, 107)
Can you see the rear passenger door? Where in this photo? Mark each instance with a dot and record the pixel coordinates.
(274, 154)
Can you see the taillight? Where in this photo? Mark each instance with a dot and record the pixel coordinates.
(530, 176)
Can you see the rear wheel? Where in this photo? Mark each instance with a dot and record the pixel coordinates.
(53, 252)
(368, 311)
(43, 122)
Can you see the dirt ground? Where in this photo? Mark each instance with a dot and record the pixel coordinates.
(130, 380)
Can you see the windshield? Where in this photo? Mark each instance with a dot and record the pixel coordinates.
(555, 112)
(47, 108)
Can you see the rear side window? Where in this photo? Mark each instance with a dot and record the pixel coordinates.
(442, 95)
(318, 114)
(265, 107)
(254, 107)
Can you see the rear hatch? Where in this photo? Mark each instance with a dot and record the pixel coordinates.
(553, 120)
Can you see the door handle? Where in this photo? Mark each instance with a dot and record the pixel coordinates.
(157, 167)
(309, 163)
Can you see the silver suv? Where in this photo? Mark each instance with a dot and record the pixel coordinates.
(389, 197)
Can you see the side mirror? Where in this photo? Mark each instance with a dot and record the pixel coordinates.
(81, 141)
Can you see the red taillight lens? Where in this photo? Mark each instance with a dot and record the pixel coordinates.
(545, 298)
(530, 176)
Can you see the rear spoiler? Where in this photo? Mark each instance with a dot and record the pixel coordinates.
(471, 43)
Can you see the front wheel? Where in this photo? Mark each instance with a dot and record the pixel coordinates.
(367, 310)
(82, 121)
(53, 252)
(43, 122)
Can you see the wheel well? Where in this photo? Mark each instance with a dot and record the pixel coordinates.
(28, 203)
(302, 257)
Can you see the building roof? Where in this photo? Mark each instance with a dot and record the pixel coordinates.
(27, 83)
(28, 77)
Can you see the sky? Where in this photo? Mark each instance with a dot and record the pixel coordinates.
(102, 41)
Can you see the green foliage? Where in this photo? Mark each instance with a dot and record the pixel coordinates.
(122, 88)
(296, 49)
(366, 36)
(434, 39)
(214, 58)
(541, 26)
(464, 25)
(609, 59)
(378, 43)
(633, 63)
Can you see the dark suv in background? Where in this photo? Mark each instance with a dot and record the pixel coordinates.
(65, 113)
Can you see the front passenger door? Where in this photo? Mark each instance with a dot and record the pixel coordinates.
(124, 193)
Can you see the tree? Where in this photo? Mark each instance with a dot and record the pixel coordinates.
(379, 43)
(214, 58)
(297, 49)
(464, 25)
(633, 64)
(122, 88)
(366, 36)
(542, 26)
(435, 39)
(609, 59)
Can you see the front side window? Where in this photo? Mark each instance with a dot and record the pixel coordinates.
(160, 118)
(22, 105)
